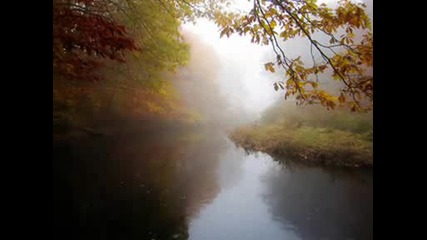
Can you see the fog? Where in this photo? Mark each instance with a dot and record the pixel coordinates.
(234, 64)
(234, 69)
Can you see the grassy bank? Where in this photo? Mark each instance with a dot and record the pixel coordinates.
(310, 135)
(309, 144)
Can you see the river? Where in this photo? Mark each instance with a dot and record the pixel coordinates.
(201, 187)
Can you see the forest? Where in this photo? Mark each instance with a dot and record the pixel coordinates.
(118, 60)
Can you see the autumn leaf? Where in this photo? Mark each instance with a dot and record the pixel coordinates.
(341, 98)
(269, 67)
(309, 20)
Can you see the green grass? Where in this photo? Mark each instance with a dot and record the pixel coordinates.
(310, 144)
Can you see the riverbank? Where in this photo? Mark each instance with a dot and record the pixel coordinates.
(314, 145)
(129, 128)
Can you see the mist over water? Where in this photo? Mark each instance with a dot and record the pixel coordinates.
(238, 69)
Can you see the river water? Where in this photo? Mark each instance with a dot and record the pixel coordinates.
(201, 187)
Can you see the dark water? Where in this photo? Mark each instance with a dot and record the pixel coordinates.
(201, 187)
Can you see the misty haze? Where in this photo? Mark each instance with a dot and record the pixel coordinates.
(208, 120)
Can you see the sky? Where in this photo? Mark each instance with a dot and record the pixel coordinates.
(241, 75)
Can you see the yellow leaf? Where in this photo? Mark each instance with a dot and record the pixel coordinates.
(269, 67)
(273, 24)
(314, 84)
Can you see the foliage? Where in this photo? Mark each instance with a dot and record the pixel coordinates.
(348, 57)
(91, 39)
(155, 28)
(87, 31)
(84, 30)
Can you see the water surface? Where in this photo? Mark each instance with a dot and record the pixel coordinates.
(201, 187)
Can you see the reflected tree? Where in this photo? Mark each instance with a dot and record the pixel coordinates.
(133, 187)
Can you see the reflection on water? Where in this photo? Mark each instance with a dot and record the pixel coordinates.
(199, 186)
(133, 188)
(239, 211)
(322, 203)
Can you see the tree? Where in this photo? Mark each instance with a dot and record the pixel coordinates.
(86, 32)
(90, 33)
(91, 40)
(83, 32)
(347, 57)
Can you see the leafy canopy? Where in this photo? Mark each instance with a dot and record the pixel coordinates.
(347, 57)
(91, 40)
(88, 32)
